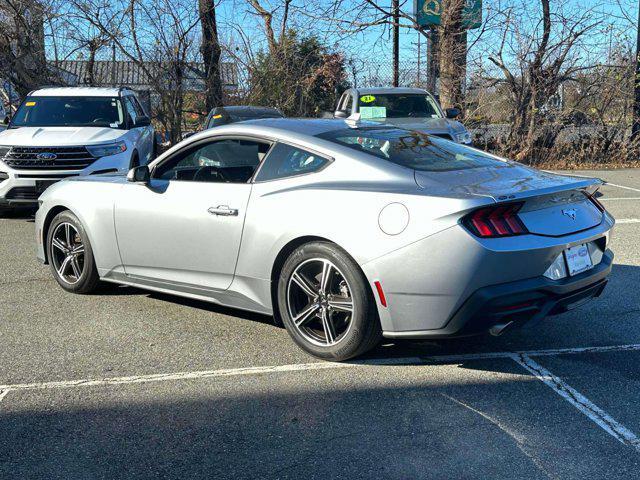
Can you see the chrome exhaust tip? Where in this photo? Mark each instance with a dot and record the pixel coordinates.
(499, 328)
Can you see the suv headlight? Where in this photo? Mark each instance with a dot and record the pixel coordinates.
(462, 137)
(107, 150)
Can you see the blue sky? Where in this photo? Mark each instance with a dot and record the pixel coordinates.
(374, 43)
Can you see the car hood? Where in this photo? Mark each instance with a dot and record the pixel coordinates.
(58, 136)
(502, 182)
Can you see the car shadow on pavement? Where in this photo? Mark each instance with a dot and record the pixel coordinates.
(327, 425)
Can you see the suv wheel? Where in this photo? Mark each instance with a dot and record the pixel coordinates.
(70, 254)
(326, 304)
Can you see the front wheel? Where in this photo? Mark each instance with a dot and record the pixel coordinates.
(326, 304)
(70, 254)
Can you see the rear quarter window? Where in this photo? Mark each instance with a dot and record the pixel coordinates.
(286, 161)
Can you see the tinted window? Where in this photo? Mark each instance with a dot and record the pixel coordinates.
(131, 109)
(398, 106)
(136, 104)
(226, 161)
(411, 149)
(286, 161)
(69, 112)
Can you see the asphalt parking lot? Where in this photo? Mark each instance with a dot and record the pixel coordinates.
(132, 384)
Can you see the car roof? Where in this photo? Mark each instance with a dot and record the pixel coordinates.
(248, 109)
(388, 90)
(307, 126)
(78, 92)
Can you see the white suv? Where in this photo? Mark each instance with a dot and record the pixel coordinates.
(63, 132)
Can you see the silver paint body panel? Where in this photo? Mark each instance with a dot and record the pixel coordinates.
(162, 237)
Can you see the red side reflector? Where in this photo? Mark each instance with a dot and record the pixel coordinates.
(383, 299)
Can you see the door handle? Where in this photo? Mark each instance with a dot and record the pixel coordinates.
(223, 210)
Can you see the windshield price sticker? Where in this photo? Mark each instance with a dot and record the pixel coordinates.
(367, 98)
(30, 104)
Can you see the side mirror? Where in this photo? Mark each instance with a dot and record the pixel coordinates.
(6, 120)
(143, 121)
(140, 174)
(452, 112)
(341, 114)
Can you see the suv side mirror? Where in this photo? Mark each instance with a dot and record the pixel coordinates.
(143, 121)
(140, 174)
(6, 120)
(341, 114)
(452, 112)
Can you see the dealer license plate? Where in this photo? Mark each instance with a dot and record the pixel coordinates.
(578, 259)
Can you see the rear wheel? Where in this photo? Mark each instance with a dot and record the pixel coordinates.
(70, 254)
(325, 303)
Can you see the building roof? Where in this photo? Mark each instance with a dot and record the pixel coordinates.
(76, 92)
(132, 74)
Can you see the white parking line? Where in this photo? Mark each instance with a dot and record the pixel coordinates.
(605, 199)
(628, 220)
(623, 187)
(582, 403)
(230, 372)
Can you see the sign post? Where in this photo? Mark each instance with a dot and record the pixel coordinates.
(428, 15)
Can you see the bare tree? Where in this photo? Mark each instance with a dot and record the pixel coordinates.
(159, 38)
(22, 43)
(535, 60)
(211, 52)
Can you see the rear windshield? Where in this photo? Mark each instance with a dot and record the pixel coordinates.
(411, 149)
(69, 112)
(409, 105)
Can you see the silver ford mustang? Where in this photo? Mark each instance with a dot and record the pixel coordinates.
(345, 231)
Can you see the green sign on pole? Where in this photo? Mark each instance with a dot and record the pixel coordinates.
(428, 13)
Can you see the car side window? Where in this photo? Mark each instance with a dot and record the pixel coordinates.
(286, 161)
(131, 109)
(222, 161)
(138, 107)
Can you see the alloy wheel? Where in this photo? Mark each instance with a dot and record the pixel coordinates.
(319, 301)
(67, 252)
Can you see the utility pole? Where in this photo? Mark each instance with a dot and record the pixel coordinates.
(635, 129)
(396, 42)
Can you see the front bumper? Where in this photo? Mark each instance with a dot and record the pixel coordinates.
(23, 187)
(19, 188)
(515, 303)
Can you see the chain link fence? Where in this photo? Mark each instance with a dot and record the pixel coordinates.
(586, 122)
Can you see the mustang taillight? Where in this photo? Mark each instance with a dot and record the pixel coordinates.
(496, 221)
(595, 201)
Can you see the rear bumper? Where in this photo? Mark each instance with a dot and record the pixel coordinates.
(515, 303)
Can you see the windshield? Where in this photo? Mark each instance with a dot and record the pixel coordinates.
(394, 105)
(411, 149)
(69, 112)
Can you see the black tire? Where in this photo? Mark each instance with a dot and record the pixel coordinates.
(88, 279)
(361, 333)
